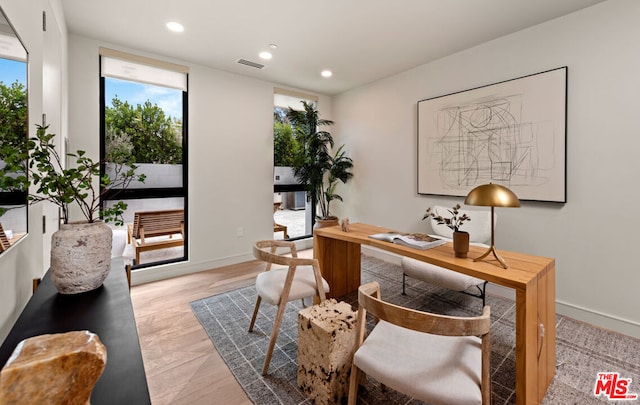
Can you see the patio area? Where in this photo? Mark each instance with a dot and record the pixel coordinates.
(294, 220)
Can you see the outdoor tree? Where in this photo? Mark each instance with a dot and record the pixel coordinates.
(13, 136)
(142, 134)
(285, 147)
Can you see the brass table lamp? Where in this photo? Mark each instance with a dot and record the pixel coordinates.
(492, 195)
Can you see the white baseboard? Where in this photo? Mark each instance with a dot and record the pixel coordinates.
(304, 244)
(582, 314)
(605, 321)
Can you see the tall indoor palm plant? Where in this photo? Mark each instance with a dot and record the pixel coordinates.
(314, 164)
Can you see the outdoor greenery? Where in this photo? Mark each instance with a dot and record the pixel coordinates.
(13, 137)
(314, 165)
(142, 134)
(286, 148)
(63, 186)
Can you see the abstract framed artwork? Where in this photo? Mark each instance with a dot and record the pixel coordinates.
(511, 133)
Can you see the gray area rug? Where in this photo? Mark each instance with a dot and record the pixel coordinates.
(582, 350)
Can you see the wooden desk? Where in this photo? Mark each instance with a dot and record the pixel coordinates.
(532, 277)
(107, 312)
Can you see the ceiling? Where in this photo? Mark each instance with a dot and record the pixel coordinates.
(360, 41)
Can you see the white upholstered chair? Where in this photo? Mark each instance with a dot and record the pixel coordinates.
(479, 228)
(300, 279)
(434, 358)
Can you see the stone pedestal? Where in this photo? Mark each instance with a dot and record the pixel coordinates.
(326, 341)
(53, 369)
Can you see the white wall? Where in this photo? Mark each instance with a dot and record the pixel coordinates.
(24, 261)
(230, 157)
(230, 169)
(230, 152)
(230, 130)
(593, 236)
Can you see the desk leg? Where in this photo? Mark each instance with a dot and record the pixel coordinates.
(340, 264)
(547, 307)
(535, 338)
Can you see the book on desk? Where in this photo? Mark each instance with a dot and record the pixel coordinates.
(414, 240)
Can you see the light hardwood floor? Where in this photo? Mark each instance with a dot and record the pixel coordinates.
(181, 363)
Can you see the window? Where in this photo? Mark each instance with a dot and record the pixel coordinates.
(144, 123)
(293, 212)
(13, 135)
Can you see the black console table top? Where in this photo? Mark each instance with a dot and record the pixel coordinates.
(106, 312)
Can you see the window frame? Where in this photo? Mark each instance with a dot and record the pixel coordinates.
(148, 193)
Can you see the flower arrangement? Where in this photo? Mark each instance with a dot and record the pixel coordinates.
(455, 222)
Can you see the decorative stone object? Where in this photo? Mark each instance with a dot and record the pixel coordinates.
(345, 225)
(80, 256)
(326, 342)
(53, 369)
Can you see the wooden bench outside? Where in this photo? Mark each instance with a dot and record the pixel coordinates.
(4, 241)
(148, 224)
(277, 227)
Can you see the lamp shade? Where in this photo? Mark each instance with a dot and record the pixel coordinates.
(492, 195)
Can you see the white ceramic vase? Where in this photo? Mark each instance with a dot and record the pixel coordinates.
(80, 256)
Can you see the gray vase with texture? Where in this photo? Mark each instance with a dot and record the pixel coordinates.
(80, 256)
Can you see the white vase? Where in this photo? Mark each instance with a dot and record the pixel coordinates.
(80, 256)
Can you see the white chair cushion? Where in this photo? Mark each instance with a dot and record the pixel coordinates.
(270, 284)
(438, 275)
(479, 227)
(431, 368)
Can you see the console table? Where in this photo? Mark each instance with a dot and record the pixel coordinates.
(532, 277)
(107, 312)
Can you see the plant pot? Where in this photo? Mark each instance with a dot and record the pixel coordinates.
(325, 222)
(80, 256)
(461, 243)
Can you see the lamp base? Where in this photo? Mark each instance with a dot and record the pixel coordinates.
(492, 249)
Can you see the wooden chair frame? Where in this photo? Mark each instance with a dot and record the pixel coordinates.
(266, 251)
(4, 241)
(369, 301)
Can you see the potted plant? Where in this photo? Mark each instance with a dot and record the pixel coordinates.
(80, 251)
(314, 165)
(460, 238)
(339, 172)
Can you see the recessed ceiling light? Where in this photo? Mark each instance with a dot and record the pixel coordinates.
(326, 73)
(265, 55)
(273, 46)
(175, 26)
